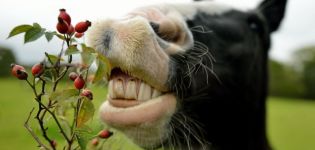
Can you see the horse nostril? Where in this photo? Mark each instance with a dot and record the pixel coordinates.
(155, 27)
(107, 39)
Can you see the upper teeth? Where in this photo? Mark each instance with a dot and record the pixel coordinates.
(144, 92)
(133, 90)
(118, 89)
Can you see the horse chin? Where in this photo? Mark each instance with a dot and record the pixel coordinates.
(145, 123)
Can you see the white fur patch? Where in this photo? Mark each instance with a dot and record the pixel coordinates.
(134, 49)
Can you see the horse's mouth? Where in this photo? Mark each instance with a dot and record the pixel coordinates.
(131, 101)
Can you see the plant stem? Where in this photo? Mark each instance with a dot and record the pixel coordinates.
(42, 127)
(50, 61)
(32, 86)
(56, 120)
(32, 132)
(64, 72)
(40, 109)
(38, 98)
(57, 76)
(74, 124)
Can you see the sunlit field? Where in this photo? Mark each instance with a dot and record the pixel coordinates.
(291, 122)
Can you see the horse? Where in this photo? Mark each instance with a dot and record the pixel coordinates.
(189, 75)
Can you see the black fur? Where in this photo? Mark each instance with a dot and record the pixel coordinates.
(221, 83)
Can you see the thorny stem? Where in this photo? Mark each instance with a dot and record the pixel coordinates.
(56, 120)
(29, 129)
(58, 65)
(41, 94)
(38, 98)
(42, 108)
(32, 86)
(74, 124)
(42, 127)
(43, 86)
(77, 109)
(50, 61)
(60, 76)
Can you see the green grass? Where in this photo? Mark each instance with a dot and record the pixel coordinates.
(291, 122)
(16, 101)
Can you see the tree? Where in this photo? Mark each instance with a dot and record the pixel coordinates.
(284, 81)
(304, 61)
(6, 58)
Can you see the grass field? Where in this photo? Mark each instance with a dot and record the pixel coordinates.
(291, 122)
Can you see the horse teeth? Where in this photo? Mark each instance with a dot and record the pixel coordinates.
(119, 89)
(131, 92)
(156, 93)
(111, 89)
(144, 92)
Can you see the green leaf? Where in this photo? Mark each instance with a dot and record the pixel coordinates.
(84, 135)
(83, 141)
(65, 124)
(19, 29)
(64, 95)
(100, 72)
(60, 36)
(104, 60)
(47, 79)
(87, 49)
(86, 112)
(33, 34)
(36, 25)
(52, 58)
(72, 50)
(49, 36)
(103, 68)
(87, 58)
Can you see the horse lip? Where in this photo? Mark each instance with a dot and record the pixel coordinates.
(146, 112)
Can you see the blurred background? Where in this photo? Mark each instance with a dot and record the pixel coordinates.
(291, 105)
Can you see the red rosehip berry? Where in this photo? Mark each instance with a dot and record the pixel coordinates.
(105, 134)
(73, 76)
(82, 26)
(19, 72)
(79, 82)
(94, 142)
(70, 30)
(64, 15)
(22, 75)
(62, 26)
(78, 35)
(87, 93)
(38, 69)
(16, 67)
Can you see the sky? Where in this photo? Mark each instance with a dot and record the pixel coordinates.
(297, 29)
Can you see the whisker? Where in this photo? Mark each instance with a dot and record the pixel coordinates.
(189, 130)
(200, 29)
